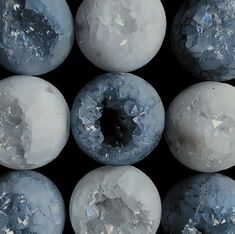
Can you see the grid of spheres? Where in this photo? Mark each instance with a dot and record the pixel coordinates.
(118, 118)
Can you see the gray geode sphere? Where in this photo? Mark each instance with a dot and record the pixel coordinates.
(30, 203)
(109, 200)
(203, 38)
(117, 119)
(200, 204)
(200, 127)
(35, 36)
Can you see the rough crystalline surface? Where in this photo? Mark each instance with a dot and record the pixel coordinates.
(200, 127)
(200, 204)
(30, 203)
(108, 200)
(118, 35)
(35, 36)
(34, 122)
(203, 38)
(117, 119)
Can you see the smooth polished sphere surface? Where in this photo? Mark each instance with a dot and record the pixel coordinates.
(120, 35)
(203, 38)
(201, 204)
(36, 36)
(109, 200)
(117, 119)
(34, 122)
(200, 127)
(30, 203)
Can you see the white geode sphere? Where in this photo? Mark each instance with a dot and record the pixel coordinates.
(120, 35)
(34, 122)
(200, 127)
(115, 200)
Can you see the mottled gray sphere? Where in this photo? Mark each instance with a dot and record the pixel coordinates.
(200, 204)
(35, 36)
(120, 35)
(34, 122)
(200, 127)
(109, 200)
(203, 38)
(117, 119)
(30, 203)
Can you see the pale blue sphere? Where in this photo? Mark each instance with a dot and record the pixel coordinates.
(35, 36)
(30, 203)
(117, 119)
(201, 204)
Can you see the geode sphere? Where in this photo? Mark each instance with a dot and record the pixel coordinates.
(117, 119)
(200, 127)
(34, 122)
(30, 203)
(109, 200)
(35, 36)
(201, 204)
(203, 38)
(120, 35)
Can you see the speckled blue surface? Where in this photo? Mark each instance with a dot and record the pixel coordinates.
(35, 36)
(139, 112)
(30, 203)
(201, 204)
(203, 38)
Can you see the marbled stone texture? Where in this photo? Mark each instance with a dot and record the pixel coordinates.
(120, 35)
(35, 36)
(203, 38)
(200, 127)
(34, 122)
(30, 203)
(109, 200)
(117, 118)
(200, 204)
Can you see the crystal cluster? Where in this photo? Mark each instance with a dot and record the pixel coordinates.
(35, 36)
(118, 35)
(200, 127)
(117, 119)
(203, 38)
(30, 203)
(108, 200)
(200, 204)
(34, 122)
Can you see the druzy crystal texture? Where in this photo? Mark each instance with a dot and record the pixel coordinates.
(117, 118)
(203, 38)
(34, 122)
(201, 204)
(120, 35)
(30, 203)
(200, 127)
(109, 200)
(35, 36)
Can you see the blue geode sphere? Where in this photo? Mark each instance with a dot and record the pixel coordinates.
(203, 38)
(30, 203)
(117, 119)
(201, 204)
(35, 36)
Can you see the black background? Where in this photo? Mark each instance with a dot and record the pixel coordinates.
(163, 73)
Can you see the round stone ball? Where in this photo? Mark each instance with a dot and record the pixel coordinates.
(109, 200)
(34, 122)
(117, 119)
(200, 204)
(36, 36)
(200, 127)
(203, 38)
(120, 35)
(30, 203)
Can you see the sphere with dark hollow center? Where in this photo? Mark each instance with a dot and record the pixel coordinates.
(117, 119)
